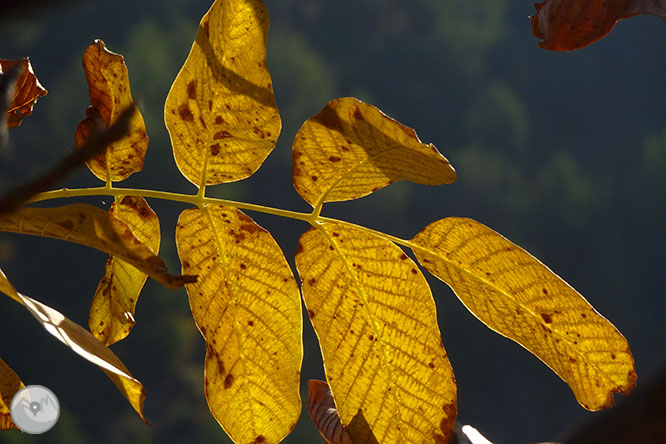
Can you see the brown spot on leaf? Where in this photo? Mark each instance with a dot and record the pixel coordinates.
(243, 266)
(414, 271)
(312, 281)
(300, 248)
(185, 113)
(613, 356)
(403, 256)
(222, 134)
(311, 314)
(259, 439)
(545, 291)
(215, 149)
(251, 228)
(228, 381)
(67, 224)
(250, 323)
(314, 178)
(218, 119)
(334, 159)
(192, 90)
(548, 319)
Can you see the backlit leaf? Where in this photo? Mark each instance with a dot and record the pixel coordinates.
(26, 91)
(247, 306)
(110, 95)
(520, 298)
(324, 414)
(220, 111)
(10, 383)
(112, 310)
(565, 25)
(88, 225)
(83, 343)
(351, 149)
(375, 319)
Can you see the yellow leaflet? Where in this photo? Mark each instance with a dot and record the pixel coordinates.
(520, 298)
(220, 111)
(26, 92)
(10, 383)
(376, 322)
(351, 149)
(247, 306)
(112, 310)
(110, 95)
(93, 227)
(82, 343)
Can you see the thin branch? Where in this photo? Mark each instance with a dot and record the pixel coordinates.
(95, 145)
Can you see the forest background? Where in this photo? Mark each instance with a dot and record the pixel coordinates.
(563, 153)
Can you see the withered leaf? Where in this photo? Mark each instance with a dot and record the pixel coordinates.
(26, 91)
(109, 89)
(565, 25)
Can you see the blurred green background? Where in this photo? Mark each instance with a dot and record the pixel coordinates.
(563, 153)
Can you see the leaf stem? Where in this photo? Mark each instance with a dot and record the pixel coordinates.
(195, 199)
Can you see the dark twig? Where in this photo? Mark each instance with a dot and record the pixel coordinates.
(96, 144)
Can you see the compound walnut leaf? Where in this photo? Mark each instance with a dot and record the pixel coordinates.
(520, 298)
(83, 343)
(247, 306)
(324, 414)
(88, 225)
(565, 25)
(375, 318)
(112, 310)
(27, 90)
(110, 95)
(220, 111)
(351, 149)
(10, 383)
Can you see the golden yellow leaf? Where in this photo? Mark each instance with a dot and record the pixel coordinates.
(220, 111)
(351, 149)
(10, 383)
(83, 343)
(520, 298)
(26, 91)
(112, 309)
(247, 306)
(376, 322)
(88, 225)
(110, 95)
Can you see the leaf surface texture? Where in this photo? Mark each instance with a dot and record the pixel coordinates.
(565, 25)
(376, 322)
(112, 310)
(247, 306)
(110, 95)
(26, 91)
(83, 343)
(220, 111)
(88, 225)
(520, 298)
(351, 149)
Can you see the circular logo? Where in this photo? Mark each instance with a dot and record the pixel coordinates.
(35, 409)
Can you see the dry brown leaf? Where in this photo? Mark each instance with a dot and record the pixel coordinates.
(26, 92)
(565, 25)
(110, 95)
